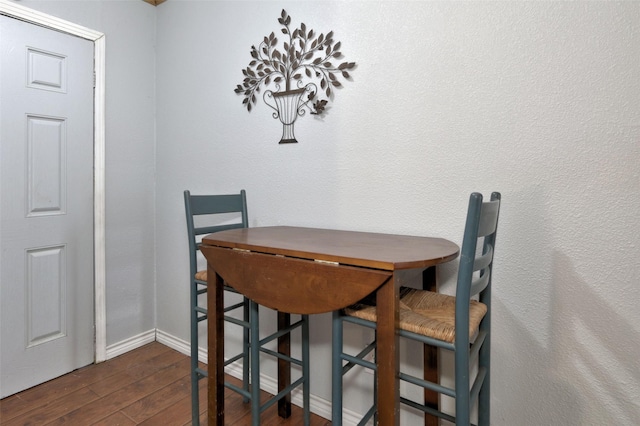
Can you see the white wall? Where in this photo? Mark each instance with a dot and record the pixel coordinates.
(536, 100)
(129, 27)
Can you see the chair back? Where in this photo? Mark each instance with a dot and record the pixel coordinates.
(474, 272)
(208, 207)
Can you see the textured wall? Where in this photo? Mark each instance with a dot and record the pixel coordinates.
(536, 100)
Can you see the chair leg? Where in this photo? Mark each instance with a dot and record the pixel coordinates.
(195, 394)
(484, 403)
(306, 373)
(255, 362)
(246, 345)
(463, 409)
(336, 370)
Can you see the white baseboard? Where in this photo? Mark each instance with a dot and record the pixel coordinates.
(130, 344)
(319, 406)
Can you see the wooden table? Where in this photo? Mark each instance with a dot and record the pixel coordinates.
(310, 271)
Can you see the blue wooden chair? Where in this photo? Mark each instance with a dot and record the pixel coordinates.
(222, 212)
(460, 323)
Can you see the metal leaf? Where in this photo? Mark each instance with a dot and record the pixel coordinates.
(346, 65)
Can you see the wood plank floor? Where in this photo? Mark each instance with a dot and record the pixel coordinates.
(146, 386)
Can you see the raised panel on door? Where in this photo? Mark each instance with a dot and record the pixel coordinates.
(45, 289)
(46, 165)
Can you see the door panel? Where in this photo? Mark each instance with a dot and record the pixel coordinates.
(46, 165)
(45, 295)
(46, 201)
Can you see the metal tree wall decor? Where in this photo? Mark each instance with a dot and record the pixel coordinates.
(305, 57)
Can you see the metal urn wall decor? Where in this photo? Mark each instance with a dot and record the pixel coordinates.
(306, 58)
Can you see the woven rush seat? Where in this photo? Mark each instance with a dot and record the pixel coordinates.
(424, 312)
(201, 275)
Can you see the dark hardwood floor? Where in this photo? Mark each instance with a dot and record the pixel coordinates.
(146, 386)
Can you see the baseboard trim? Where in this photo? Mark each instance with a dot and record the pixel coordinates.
(130, 344)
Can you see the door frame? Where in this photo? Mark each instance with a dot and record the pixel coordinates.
(31, 16)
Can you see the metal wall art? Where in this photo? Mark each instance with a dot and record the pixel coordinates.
(306, 58)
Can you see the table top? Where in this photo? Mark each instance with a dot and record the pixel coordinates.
(388, 252)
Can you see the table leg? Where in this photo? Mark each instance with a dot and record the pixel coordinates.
(284, 367)
(387, 300)
(430, 356)
(215, 335)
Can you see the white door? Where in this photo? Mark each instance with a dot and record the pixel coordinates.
(46, 204)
